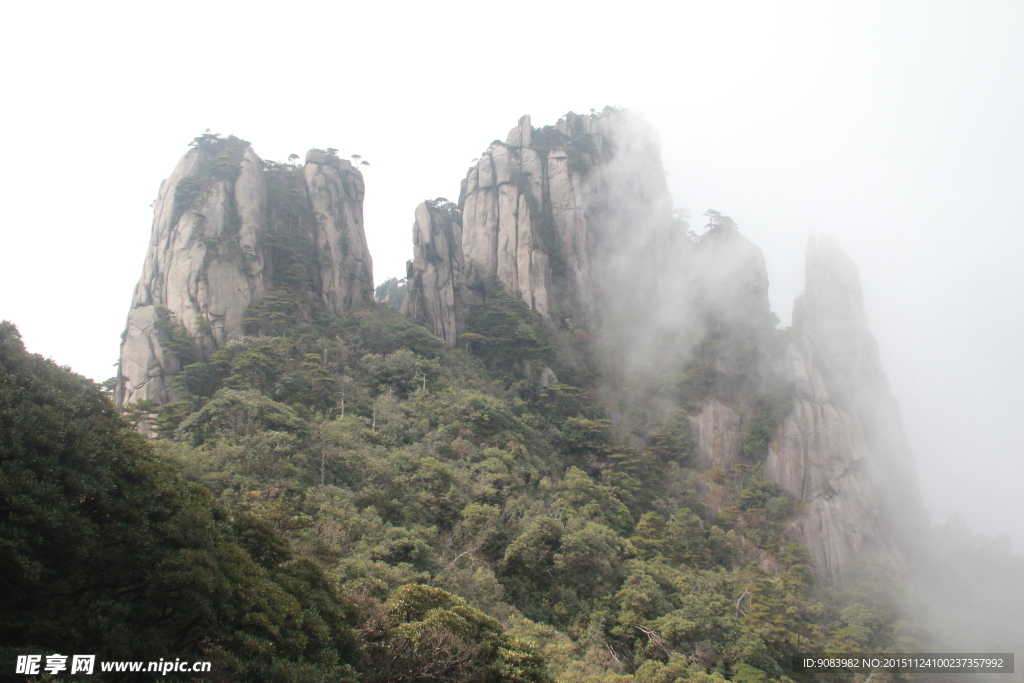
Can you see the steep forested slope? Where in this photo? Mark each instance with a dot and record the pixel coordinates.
(109, 551)
(391, 461)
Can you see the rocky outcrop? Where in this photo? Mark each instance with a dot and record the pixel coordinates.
(207, 261)
(502, 206)
(823, 461)
(842, 452)
(335, 189)
(559, 213)
(204, 266)
(716, 435)
(576, 220)
(435, 279)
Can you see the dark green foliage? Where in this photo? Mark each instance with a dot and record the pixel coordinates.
(423, 633)
(221, 159)
(401, 371)
(724, 364)
(185, 195)
(581, 436)
(413, 473)
(449, 211)
(758, 507)
(672, 440)
(759, 432)
(239, 413)
(387, 331)
(684, 539)
(548, 138)
(175, 337)
(225, 154)
(511, 335)
(410, 469)
(462, 507)
(108, 551)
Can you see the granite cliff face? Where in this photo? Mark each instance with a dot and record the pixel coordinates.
(335, 190)
(208, 261)
(204, 266)
(842, 451)
(576, 220)
(435, 279)
(540, 213)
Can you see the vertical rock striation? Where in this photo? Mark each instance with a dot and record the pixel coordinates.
(543, 211)
(501, 202)
(435, 281)
(208, 260)
(335, 190)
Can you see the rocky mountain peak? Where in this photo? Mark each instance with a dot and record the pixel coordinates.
(842, 452)
(210, 261)
(546, 215)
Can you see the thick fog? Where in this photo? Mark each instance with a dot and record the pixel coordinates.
(894, 127)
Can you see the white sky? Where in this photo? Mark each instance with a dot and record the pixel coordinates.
(898, 127)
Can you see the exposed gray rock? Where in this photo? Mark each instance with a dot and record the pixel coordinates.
(203, 269)
(842, 452)
(531, 171)
(531, 261)
(539, 201)
(522, 134)
(146, 368)
(716, 431)
(480, 223)
(206, 263)
(435, 277)
(823, 460)
(500, 160)
(346, 270)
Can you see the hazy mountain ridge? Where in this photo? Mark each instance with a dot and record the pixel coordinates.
(644, 291)
(575, 220)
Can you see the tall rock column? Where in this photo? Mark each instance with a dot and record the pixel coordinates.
(501, 202)
(435, 277)
(843, 453)
(560, 213)
(204, 266)
(336, 193)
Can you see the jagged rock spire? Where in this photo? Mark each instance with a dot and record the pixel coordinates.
(843, 452)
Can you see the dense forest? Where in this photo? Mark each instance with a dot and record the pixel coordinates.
(345, 498)
(349, 500)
